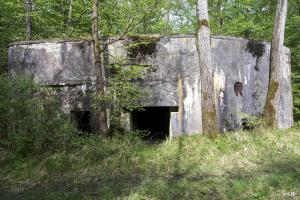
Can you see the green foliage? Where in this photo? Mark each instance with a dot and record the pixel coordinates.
(245, 18)
(11, 27)
(293, 36)
(123, 94)
(252, 122)
(141, 45)
(30, 116)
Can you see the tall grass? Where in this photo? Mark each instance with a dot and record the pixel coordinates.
(241, 165)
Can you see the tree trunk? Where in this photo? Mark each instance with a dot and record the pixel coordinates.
(209, 114)
(101, 116)
(69, 20)
(271, 110)
(219, 11)
(28, 18)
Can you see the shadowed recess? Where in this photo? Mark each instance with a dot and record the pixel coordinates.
(154, 120)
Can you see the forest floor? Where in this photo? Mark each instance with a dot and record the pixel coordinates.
(240, 165)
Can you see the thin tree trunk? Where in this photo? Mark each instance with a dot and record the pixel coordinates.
(219, 10)
(209, 114)
(28, 18)
(271, 110)
(70, 13)
(101, 115)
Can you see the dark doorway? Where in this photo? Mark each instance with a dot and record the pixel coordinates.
(154, 120)
(82, 120)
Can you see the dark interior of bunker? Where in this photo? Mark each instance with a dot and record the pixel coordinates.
(82, 120)
(154, 122)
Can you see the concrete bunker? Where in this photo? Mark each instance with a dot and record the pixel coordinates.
(69, 66)
(155, 121)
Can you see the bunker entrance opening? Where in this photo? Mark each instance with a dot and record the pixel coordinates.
(155, 121)
(82, 120)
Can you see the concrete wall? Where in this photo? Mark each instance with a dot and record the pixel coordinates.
(66, 65)
(173, 64)
(55, 62)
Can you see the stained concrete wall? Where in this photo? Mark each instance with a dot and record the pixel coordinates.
(54, 62)
(234, 60)
(172, 63)
(65, 65)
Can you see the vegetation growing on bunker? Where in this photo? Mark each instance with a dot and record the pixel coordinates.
(139, 46)
(82, 48)
(257, 49)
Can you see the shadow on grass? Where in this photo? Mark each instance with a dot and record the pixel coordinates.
(272, 179)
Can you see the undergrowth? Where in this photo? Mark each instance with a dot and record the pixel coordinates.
(31, 119)
(263, 164)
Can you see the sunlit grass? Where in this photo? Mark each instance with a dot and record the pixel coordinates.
(240, 165)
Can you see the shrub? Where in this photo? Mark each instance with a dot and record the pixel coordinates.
(31, 120)
(123, 93)
(251, 122)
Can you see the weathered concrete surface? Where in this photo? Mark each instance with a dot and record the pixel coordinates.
(234, 60)
(75, 97)
(247, 62)
(176, 56)
(67, 66)
(54, 63)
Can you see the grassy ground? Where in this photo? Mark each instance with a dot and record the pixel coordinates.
(243, 165)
